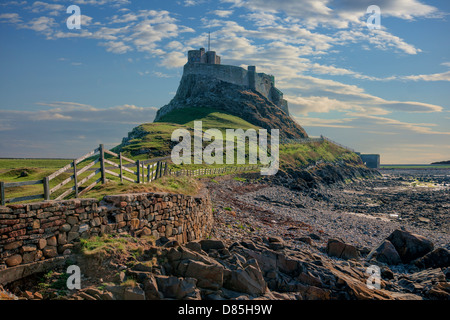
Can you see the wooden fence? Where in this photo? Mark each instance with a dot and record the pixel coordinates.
(154, 171)
(212, 171)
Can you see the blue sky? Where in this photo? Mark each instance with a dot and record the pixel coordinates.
(62, 92)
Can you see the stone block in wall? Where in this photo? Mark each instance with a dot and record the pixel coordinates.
(42, 243)
(50, 252)
(32, 256)
(14, 260)
(62, 238)
(71, 236)
(28, 248)
(13, 245)
(51, 241)
(72, 220)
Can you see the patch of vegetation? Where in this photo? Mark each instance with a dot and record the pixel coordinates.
(130, 282)
(102, 245)
(240, 179)
(301, 155)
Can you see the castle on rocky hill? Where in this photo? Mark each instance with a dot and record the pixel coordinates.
(208, 63)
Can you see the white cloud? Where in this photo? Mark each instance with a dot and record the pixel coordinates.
(114, 3)
(10, 18)
(42, 24)
(13, 3)
(444, 76)
(192, 3)
(338, 14)
(222, 13)
(51, 8)
(118, 47)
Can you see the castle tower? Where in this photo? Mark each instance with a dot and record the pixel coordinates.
(200, 56)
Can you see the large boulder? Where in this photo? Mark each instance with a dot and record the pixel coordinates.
(208, 244)
(209, 276)
(410, 246)
(438, 258)
(385, 253)
(338, 248)
(176, 288)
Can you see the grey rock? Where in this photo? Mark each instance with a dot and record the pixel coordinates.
(385, 253)
(410, 246)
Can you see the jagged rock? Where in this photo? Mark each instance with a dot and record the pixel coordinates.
(176, 287)
(194, 246)
(314, 236)
(307, 240)
(209, 92)
(438, 258)
(208, 276)
(133, 293)
(151, 289)
(248, 280)
(276, 243)
(209, 244)
(116, 291)
(339, 249)
(410, 246)
(430, 282)
(385, 253)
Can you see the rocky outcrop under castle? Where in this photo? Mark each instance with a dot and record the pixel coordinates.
(203, 91)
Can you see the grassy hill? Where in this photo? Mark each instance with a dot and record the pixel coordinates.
(154, 139)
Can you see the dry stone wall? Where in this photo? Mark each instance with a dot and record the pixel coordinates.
(44, 230)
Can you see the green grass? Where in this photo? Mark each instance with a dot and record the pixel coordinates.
(103, 244)
(301, 155)
(211, 118)
(155, 137)
(33, 163)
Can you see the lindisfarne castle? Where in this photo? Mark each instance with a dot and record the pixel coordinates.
(201, 62)
(252, 96)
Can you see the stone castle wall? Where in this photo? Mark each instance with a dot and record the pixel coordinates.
(261, 82)
(44, 230)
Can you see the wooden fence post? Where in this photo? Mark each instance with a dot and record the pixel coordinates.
(102, 163)
(46, 188)
(143, 172)
(2, 192)
(138, 171)
(75, 178)
(165, 168)
(148, 173)
(120, 167)
(157, 170)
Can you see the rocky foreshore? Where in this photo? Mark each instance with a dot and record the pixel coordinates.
(271, 242)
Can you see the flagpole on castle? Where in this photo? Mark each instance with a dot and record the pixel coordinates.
(209, 41)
